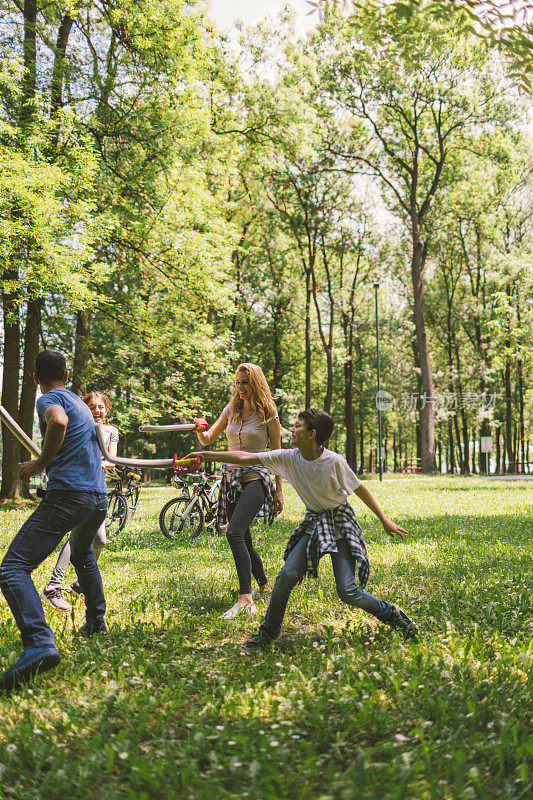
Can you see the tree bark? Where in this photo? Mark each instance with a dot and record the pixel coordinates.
(10, 488)
(56, 92)
(81, 352)
(348, 413)
(277, 350)
(29, 387)
(307, 401)
(511, 465)
(521, 425)
(327, 341)
(29, 78)
(147, 381)
(427, 411)
(450, 461)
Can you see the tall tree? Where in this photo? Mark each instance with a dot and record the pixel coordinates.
(403, 97)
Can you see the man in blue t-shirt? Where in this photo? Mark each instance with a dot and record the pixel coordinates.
(75, 501)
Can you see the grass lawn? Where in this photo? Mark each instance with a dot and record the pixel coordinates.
(340, 709)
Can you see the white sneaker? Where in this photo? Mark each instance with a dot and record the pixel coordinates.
(247, 608)
(54, 597)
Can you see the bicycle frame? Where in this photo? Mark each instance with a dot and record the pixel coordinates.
(204, 498)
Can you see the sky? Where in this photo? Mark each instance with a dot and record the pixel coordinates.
(226, 12)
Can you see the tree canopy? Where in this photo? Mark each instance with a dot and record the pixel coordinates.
(172, 204)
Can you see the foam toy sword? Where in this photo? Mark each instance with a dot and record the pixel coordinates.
(18, 433)
(189, 464)
(199, 424)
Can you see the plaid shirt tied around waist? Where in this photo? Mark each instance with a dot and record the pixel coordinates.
(321, 527)
(232, 485)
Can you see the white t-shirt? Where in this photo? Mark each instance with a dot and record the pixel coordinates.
(110, 435)
(322, 484)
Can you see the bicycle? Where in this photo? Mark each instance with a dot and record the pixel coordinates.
(122, 502)
(185, 516)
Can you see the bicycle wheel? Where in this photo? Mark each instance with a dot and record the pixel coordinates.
(117, 514)
(176, 522)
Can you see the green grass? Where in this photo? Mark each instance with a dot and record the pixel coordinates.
(341, 708)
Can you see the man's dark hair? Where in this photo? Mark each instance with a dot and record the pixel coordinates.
(319, 421)
(50, 366)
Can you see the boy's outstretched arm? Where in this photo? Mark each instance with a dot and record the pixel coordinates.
(389, 527)
(237, 457)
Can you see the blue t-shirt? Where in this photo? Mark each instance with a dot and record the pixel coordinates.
(77, 465)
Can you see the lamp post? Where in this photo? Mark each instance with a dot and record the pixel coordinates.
(376, 287)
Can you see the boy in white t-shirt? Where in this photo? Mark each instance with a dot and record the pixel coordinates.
(324, 481)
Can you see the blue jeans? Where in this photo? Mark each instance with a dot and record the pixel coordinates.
(58, 513)
(293, 572)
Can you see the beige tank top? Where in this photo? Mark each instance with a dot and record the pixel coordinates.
(249, 435)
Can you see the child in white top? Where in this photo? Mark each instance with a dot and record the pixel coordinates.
(324, 481)
(53, 591)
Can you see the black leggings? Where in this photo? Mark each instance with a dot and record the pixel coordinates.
(240, 515)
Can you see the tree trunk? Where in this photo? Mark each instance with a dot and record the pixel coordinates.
(450, 461)
(10, 488)
(277, 351)
(466, 443)
(147, 379)
(483, 457)
(427, 410)
(521, 426)
(200, 384)
(327, 342)
(511, 467)
(81, 353)
(29, 77)
(56, 92)
(498, 451)
(348, 413)
(29, 387)
(307, 401)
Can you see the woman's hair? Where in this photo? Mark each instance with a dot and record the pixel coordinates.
(261, 396)
(93, 397)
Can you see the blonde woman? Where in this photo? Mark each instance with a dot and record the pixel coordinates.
(53, 591)
(251, 422)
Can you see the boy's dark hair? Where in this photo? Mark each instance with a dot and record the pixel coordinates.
(319, 421)
(51, 366)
